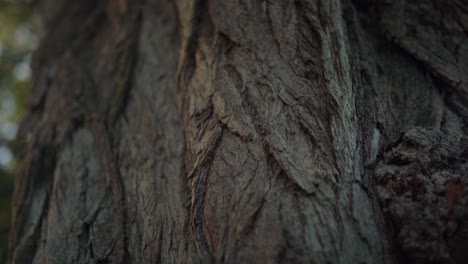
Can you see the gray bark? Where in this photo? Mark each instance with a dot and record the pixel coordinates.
(219, 131)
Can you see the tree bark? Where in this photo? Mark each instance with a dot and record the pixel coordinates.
(252, 131)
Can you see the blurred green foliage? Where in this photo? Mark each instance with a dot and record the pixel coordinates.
(16, 44)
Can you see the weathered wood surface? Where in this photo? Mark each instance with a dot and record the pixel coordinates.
(219, 131)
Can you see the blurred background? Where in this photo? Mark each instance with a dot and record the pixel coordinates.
(17, 40)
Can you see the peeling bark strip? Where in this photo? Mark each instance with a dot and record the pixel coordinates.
(203, 131)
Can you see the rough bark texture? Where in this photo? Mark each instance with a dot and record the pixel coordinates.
(250, 131)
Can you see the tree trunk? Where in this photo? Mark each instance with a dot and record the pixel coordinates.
(252, 131)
